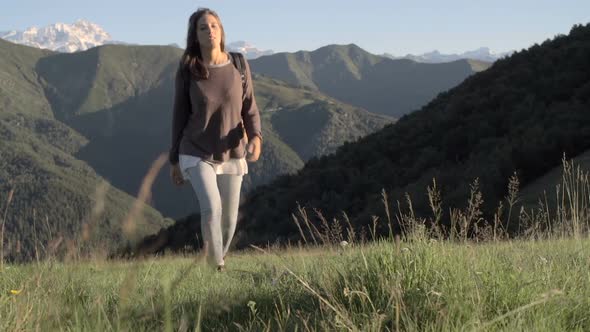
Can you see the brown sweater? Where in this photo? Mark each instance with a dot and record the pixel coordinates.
(206, 121)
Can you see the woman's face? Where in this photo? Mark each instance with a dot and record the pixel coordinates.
(209, 32)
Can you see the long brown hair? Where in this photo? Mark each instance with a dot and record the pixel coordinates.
(192, 59)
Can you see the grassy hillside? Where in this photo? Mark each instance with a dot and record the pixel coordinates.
(354, 76)
(20, 89)
(519, 116)
(57, 201)
(309, 122)
(103, 77)
(319, 128)
(53, 193)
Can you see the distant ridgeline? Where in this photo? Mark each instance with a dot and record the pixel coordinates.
(521, 115)
(354, 76)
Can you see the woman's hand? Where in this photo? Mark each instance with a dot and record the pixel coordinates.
(176, 175)
(254, 148)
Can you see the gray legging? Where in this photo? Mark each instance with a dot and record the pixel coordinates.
(219, 199)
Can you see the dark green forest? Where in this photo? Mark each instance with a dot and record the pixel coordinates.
(521, 115)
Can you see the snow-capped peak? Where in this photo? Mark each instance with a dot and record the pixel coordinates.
(61, 37)
(249, 51)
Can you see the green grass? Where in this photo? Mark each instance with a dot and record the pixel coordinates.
(417, 285)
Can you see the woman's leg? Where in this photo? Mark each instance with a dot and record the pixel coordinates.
(229, 190)
(204, 182)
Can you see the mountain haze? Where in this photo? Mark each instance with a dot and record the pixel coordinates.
(354, 76)
(480, 54)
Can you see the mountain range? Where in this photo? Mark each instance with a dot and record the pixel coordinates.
(72, 121)
(357, 77)
(80, 130)
(481, 54)
(61, 37)
(82, 35)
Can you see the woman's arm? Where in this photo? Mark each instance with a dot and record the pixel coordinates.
(180, 113)
(250, 112)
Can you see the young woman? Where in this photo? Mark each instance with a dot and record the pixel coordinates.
(215, 129)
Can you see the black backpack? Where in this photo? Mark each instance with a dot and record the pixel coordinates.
(240, 63)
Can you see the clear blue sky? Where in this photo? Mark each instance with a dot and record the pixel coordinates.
(379, 26)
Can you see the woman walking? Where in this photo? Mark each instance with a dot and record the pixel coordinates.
(215, 129)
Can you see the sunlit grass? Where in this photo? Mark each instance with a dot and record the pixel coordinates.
(423, 285)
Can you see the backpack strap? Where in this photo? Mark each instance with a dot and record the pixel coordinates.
(240, 64)
(238, 61)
